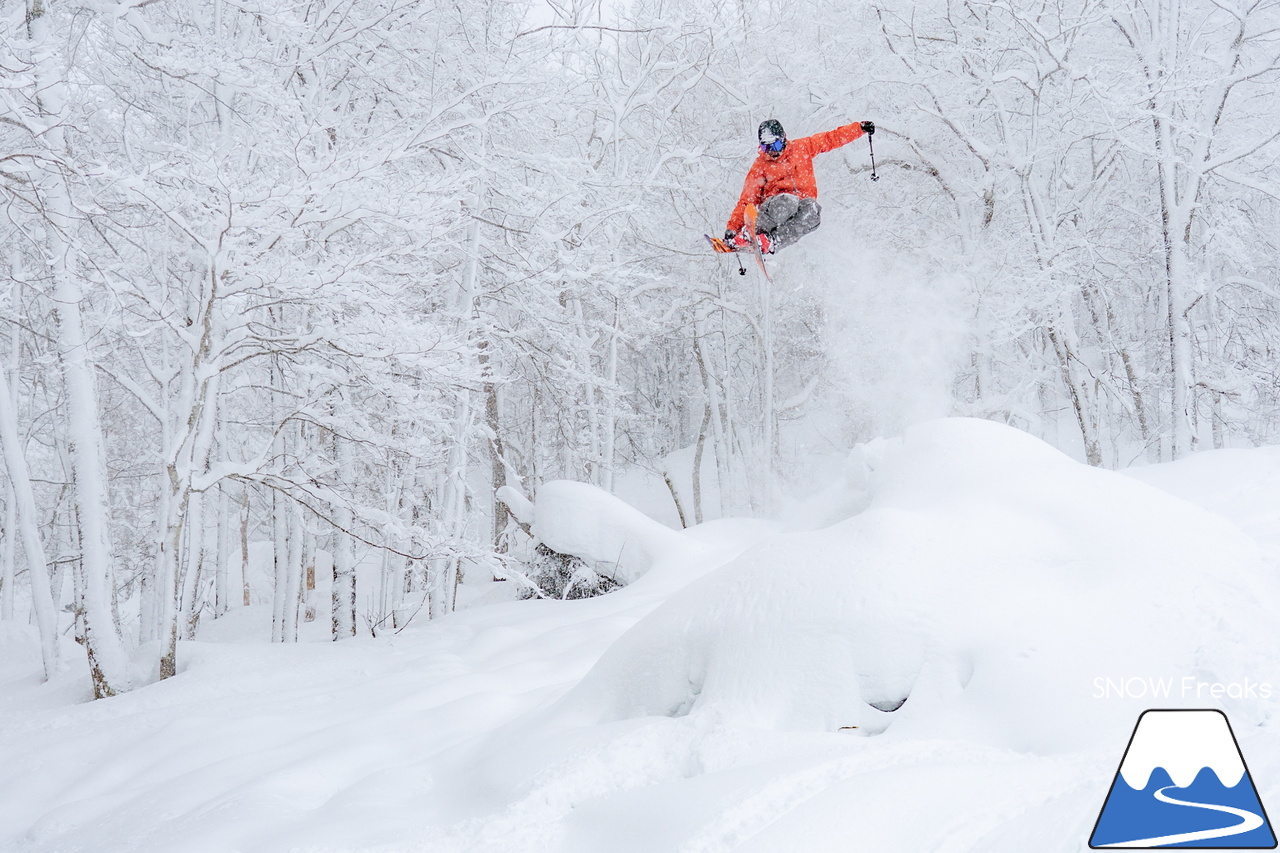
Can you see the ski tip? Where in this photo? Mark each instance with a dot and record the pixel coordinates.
(717, 244)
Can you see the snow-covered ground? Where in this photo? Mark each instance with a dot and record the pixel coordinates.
(945, 651)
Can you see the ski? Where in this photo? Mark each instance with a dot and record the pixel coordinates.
(718, 245)
(749, 224)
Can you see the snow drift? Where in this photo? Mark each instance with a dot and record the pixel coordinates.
(987, 585)
(588, 522)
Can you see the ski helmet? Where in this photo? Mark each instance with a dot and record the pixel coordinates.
(771, 131)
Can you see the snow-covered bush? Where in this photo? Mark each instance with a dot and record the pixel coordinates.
(563, 576)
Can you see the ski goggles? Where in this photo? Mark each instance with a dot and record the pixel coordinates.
(774, 147)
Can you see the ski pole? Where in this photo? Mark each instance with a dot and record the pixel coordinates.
(872, 148)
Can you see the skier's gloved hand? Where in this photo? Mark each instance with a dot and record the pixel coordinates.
(868, 127)
(729, 235)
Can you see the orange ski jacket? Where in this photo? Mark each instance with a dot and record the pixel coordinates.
(791, 171)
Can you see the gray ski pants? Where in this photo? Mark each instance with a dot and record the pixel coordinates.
(786, 218)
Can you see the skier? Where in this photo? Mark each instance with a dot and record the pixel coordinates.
(782, 186)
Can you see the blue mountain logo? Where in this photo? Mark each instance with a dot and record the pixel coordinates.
(1182, 783)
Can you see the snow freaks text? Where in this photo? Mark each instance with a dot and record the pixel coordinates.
(1186, 687)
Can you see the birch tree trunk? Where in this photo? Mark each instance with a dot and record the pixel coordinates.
(720, 442)
(222, 555)
(280, 563)
(344, 570)
(309, 609)
(443, 570)
(769, 413)
(701, 444)
(169, 577)
(194, 572)
(8, 553)
(106, 653)
(244, 551)
(497, 463)
(293, 579)
(24, 502)
(610, 425)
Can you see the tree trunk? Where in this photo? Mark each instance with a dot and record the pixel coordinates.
(193, 570)
(108, 663)
(610, 426)
(9, 556)
(309, 608)
(1182, 380)
(280, 562)
(675, 498)
(697, 464)
(244, 549)
(497, 466)
(720, 443)
(222, 555)
(8, 553)
(23, 505)
(344, 569)
(169, 579)
(768, 413)
(1066, 349)
(279, 517)
(293, 578)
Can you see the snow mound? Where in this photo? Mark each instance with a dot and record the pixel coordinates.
(587, 522)
(988, 588)
(1243, 485)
